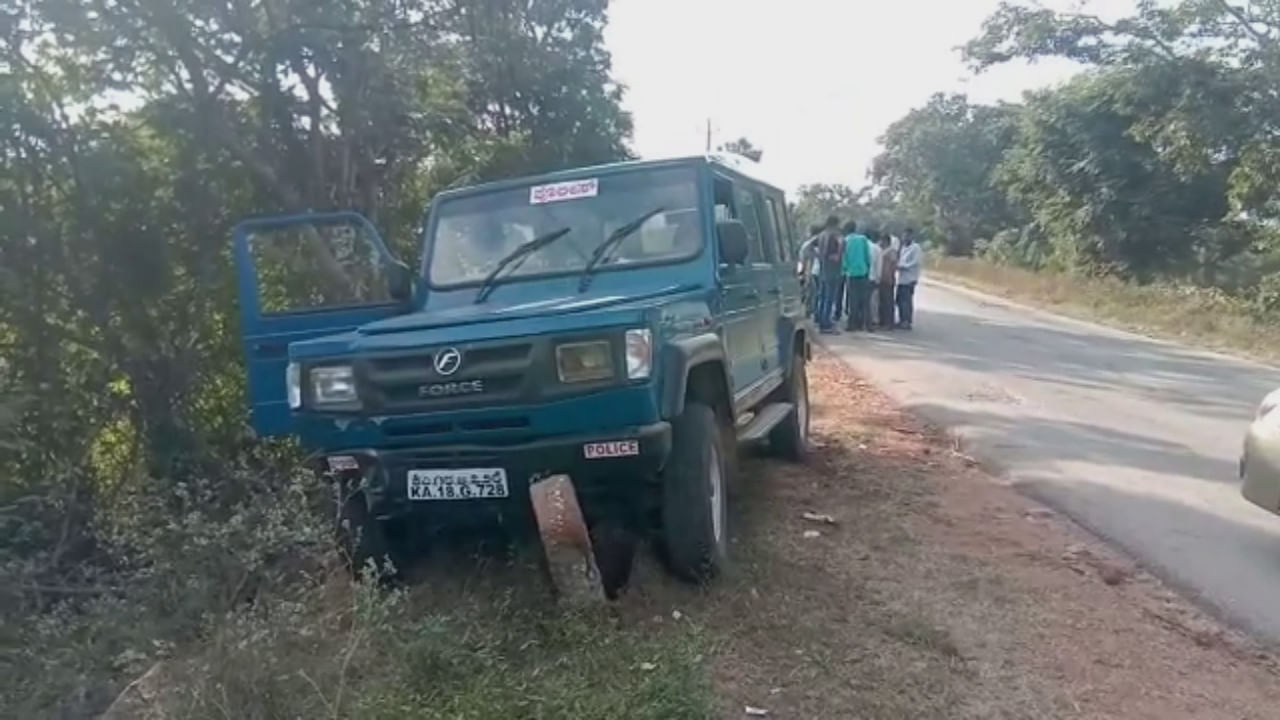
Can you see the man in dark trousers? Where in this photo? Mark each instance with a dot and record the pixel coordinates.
(909, 261)
(886, 276)
(830, 258)
(856, 268)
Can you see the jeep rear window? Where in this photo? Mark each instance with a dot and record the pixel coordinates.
(473, 233)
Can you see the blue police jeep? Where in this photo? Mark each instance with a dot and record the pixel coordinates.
(627, 325)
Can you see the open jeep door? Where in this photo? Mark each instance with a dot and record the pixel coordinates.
(301, 277)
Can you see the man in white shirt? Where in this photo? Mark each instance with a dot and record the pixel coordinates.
(909, 261)
(877, 260)
(808, 269)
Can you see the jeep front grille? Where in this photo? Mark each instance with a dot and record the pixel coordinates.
(409, 382)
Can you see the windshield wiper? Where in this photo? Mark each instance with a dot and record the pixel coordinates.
(515, 259)
(604, 249)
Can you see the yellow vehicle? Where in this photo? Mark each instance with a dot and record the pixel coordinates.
(1260, 459)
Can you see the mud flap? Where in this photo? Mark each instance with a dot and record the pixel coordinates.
(571, 560)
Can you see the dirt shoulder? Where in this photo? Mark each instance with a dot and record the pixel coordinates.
(941, 593)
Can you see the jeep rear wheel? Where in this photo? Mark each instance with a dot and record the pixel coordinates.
(790, 439)
(694, 503)
(361, 537)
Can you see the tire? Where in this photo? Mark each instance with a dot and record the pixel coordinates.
(694, 497)
(790, 439)
(361, 538)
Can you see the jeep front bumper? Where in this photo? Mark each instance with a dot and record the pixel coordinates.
(604, 467)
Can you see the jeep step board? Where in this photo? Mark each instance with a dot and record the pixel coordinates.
(766, 419)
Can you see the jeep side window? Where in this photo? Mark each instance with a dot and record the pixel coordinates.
(768, 228)
(745, 203)
(318, 265)
(726, 210)
(789, 223)
(780, 233)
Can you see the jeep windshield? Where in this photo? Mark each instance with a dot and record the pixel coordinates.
(473, 234)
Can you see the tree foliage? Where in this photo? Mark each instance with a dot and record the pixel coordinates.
(871, 209)
(938, 162)
(743, 147)
(133, 135)
(1160, 160)
(1227, 57)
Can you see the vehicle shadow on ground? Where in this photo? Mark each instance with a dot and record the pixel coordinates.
(510, 560)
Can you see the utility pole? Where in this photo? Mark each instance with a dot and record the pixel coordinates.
(708, 135)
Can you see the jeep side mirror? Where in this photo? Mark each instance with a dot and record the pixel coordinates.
(731, 237)
(399, 281)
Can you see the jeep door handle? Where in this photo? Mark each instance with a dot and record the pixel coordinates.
(752, 294)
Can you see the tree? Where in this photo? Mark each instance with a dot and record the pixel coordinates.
(814, 203)
(743, 147)
(1157, 161)
(1229, 54)
(1101, 194)
(939, 160)
(872, 208)
(117, 300)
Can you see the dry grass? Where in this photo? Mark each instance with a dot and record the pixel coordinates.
(1187, 314)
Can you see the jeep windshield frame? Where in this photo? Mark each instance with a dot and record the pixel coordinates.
(468, 234)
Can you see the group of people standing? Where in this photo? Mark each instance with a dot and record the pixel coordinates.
(863, 277)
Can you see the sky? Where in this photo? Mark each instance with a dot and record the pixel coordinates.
(812, 82)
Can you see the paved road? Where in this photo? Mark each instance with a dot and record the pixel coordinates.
(1135, 439)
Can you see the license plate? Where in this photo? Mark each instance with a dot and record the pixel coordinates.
(465, 484)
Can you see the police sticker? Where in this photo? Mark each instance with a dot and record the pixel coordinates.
(611, 449)
(342, 463)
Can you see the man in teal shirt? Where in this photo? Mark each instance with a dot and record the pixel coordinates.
(857, 270)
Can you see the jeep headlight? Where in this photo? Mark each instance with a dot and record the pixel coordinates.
(333, 385)
(639, 353)
(584, 361)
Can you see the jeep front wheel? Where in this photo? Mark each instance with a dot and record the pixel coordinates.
(694, 507)
(361, 537)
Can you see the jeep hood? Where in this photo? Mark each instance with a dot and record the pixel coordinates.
(494, 312)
